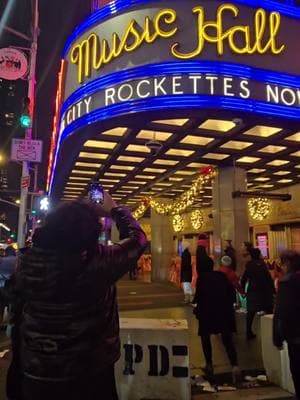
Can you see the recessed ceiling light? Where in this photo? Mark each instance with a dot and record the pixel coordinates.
(138, 182)
(157, 189)
(163, 184)
(262, 131)
(77, 171)
(120, 131)
(122, 167)
(96, 156)
(109, 180)
(137, 148)
(262, 179)
(124, 191)
(155, 170)
(296, 154)
(99, 144)
(196, 140)
(294, 138)
(282, 173)
(173, 179)
(256, 170)
(185, 173)
(108, 186)
(285, 181)
(114, 174)
(154, 135)
(277, 163)
(76, 184)
(166, 162)
(178, 190)
(198, 165)
(130, 187)
(218, 125)
(272, 149)
(267, 186)
(79, 178)
(176, 122)
(180, 152)
(247, 159)
(131, 159)
(216, 156)
(236, 145)
(145, 177)
(88, 165)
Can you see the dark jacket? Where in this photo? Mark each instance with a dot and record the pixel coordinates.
(286, 324)
(261, 290)
(203, 262)
(214, 308)
(230, 252)
(186, 273)
(70, 320)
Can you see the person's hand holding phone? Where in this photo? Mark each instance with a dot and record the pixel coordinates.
(107, 205)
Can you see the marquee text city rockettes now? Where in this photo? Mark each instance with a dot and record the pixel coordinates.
(259, 37)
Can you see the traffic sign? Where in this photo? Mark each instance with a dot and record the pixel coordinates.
(25, 182)
(26, 150)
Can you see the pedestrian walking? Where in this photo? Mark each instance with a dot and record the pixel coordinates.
(215, 313)
(186, 275)
(203, 261)
(70, 327)
(260, 291)
(286, 324)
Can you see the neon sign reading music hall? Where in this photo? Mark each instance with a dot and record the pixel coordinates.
(259, 37)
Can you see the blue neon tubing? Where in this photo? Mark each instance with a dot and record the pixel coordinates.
(182, 67)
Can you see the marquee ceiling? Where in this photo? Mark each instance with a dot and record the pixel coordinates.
(119, 159)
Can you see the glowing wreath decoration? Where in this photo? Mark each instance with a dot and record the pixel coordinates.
(259, 208)
(197, 219)
(178, 223)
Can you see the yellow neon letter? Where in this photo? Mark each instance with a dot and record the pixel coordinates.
(275, 20)
(200, 44)
(81, 56)
(168, 17)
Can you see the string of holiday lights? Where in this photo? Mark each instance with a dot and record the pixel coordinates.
(178, 223)
(184, 201)
(197, 219)
(259, 208)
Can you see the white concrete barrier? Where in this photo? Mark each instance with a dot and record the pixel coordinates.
(276, 363)
(155, 360)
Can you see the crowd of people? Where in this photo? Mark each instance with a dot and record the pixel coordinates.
(216, 296)
(64, 324)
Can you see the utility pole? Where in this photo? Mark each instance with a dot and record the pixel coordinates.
(28, 135)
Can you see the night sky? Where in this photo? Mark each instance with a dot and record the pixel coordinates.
(58, 18)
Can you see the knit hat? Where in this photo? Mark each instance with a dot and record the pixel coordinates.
(203, 240)
(226, 261)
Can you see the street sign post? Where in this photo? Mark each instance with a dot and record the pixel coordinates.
(25, 182)
(26, 150)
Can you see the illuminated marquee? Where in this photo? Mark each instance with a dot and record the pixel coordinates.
(93, 52)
